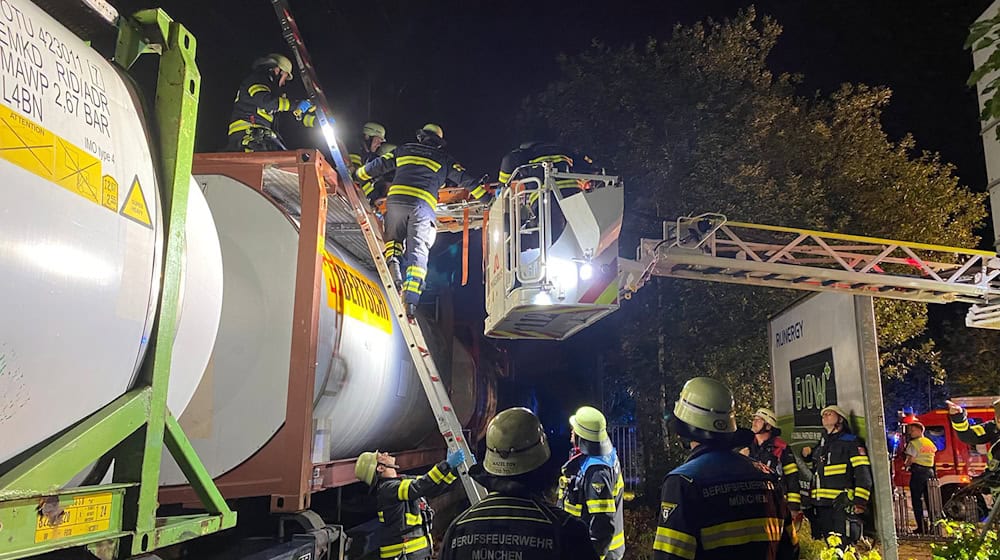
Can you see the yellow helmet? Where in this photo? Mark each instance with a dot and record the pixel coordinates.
(515, 443)
(365, 467)
(767, 415)
(589, 424)
(434, 129)
(275, 60)
(706, 404)
(373, 130)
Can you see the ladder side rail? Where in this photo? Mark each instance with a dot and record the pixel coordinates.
(444, 414)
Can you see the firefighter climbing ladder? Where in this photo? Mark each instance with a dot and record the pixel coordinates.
(709, 247)
(430, 379)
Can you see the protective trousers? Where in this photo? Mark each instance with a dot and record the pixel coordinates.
(919, 495)
(410, 229)
(255, 139)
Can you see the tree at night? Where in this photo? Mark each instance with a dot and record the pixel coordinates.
(698, 123)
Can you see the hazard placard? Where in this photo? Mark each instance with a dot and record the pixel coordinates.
(135, 207)
(26, 144)
(110, 190)
(77, 171)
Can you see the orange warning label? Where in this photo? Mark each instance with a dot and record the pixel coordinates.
(87, 514)
(135, 207)
(352, 294)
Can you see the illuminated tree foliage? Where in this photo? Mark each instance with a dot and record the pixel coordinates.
(698, 123)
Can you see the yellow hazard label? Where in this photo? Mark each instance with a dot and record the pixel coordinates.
(135, 207)
(78, 171)
(26, 144)
(34, 148)
(109, 188)
(87, 514)
(352, 294)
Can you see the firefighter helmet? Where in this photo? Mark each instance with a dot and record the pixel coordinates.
(767, 415)
(433, 129)
(589, 424)
(706, 405)
(515, 443)
(365, 467)
(275, 60)
(837, 410)
(385, 148)
(373, 130)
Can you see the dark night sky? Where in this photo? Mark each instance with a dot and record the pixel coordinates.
(469, 64)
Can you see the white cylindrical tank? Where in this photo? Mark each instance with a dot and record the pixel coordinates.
(366, 395)
(81, 236)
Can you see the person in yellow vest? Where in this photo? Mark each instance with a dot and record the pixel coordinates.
(920, 462)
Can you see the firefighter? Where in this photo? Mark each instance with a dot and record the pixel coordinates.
(259, 99)
(405, 516)
(591, 486)
(768, 448)
(919, 461)
(515, 521)
(842, 479)
(977, 434)
(376, 188)
(372, 137)
(421, 169)
(535, 152)
(719, 504)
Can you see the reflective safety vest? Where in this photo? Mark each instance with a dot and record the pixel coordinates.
(719, 505)
(978, 434)
(404, 513)
(518, 526)
(592, 488)
(923, 451)
(841, 466)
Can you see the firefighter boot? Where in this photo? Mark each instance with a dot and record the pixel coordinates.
(395, 272)
(411, 310)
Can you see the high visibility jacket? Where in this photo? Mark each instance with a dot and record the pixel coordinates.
(719, 505)
(841, 466)
(421, 170)
(978, 434)
(404, 512)
(258, 101)
(923, 451)
(776, 454)
(592, 488)
(512, 522)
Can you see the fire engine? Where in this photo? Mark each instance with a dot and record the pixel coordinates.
(955, 462)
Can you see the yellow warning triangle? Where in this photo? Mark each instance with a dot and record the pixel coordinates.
(135, 207)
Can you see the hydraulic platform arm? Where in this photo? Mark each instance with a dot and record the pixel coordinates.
(709, 247)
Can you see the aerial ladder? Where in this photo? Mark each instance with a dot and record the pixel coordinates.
(437, 394)
(551, 272)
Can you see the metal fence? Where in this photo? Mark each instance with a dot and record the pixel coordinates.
(625, 440)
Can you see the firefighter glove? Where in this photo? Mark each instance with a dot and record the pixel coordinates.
(456, 458)
(304, 106)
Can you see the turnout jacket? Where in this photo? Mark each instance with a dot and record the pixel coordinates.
(560, 157)
(841, 466)
(978, 434)
(421, 170)
(592, 488)
(404, 512)
(514, 522)
(776, 454)
(257, 102)
(719, 505)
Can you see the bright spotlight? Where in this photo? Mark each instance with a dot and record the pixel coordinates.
(542, 298)
(586, 271)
